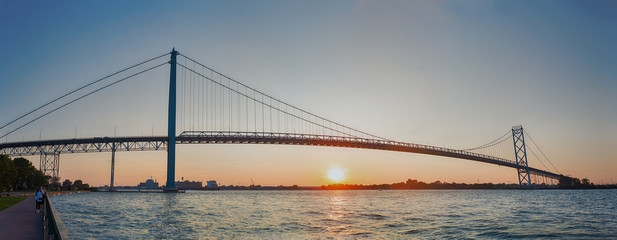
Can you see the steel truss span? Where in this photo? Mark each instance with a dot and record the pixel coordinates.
(108, 144)
(84, 145)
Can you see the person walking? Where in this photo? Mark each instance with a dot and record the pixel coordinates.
(44, 190)
(38, 196)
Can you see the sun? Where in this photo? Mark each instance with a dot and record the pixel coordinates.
(336, 174)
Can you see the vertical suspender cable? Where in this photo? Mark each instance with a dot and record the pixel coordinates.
(239, 106)
(246, 104)
(212, 103)
(203, 102)
(263, 120)
(222, 105)
(255, 110)
(183, 105)
(192, 101)
(230, 107)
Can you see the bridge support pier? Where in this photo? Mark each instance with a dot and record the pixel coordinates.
(49, 164)
(170, 186)
(113, 162)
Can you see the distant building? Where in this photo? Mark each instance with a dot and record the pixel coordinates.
(212, 185)
(189, 185)
(149, 184)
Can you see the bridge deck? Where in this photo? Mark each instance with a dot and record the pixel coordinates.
(106, 144)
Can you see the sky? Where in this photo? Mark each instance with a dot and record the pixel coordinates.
(445, 73)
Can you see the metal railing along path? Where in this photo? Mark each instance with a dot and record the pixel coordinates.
(54, 225)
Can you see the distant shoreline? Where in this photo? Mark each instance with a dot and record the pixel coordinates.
(412, 184)
(408, 185)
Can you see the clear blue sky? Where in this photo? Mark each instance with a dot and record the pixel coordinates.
(446, 73)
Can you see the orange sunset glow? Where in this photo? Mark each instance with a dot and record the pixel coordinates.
(376, 70)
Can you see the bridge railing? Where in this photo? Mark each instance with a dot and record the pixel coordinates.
(106, 144)
(82, 145)
(100, 144)
(55, 227)
(291, 136)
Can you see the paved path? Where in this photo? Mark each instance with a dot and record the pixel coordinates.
(21, 221)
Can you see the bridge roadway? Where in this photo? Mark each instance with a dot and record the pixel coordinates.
(108, 144)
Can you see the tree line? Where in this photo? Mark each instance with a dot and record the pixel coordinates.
(565, 182)
(78, 185)
(568, 182)
(415, 184)
(19, 174)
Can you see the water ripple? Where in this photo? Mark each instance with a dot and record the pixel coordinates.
(459, 214)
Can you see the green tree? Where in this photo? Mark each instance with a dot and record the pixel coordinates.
(67, 184)
(78, 184)
(565, 182)
(38, 179)
(8, 173)
(28, 177)
(54, 183)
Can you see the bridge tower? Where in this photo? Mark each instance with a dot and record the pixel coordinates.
(50, 165)
(520, 153)
(113, 162)
(170, 186)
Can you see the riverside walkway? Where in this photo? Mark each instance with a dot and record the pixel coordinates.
(21, 221)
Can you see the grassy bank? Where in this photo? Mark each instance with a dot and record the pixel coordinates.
(6, 202)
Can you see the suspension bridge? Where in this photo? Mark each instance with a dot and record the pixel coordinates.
(210, 107)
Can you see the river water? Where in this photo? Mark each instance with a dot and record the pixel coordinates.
(392, 214)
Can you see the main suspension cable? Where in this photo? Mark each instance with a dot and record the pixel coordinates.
(534, 143)
(83, 96)
(490, 144)
(80, 88)
(545, 167)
